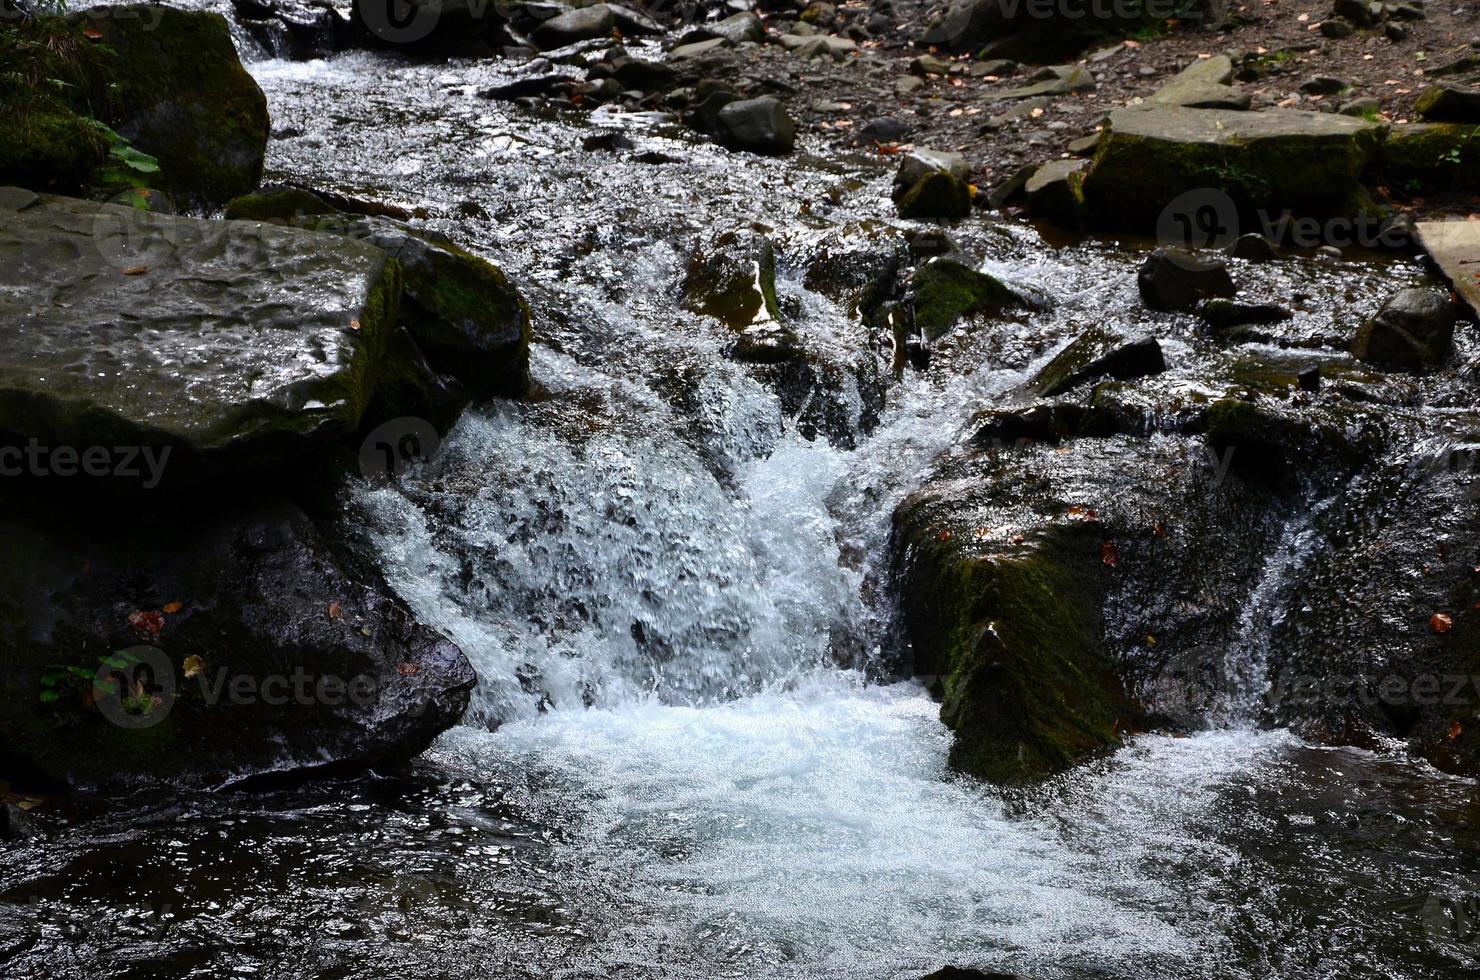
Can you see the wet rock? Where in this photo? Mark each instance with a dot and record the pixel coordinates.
(535, 85)
(461, 311)
(1253, 247)
(1275, 160)
(1224, 314)
(176, 336)
(200, 644)
(1336, 29)
(1055, 192)
(958, 973)
(646, 76)
(758, 125)
(1363, 108)
(856, 266)
(1099, 354)
(732, 277)
(1175, 279)
(1003, 600)
(297, 30)
(183, 97)
(609, 142)
(945, 292)
(1412, 332)
(1447, 102)
(580, 24)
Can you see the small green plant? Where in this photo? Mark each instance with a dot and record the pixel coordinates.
(1455, 155)
(127, 166)
(60, 681)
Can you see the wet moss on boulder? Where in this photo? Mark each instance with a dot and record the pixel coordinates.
(946, 292)
(1010, 637)
(1430, 158)
(149, 352)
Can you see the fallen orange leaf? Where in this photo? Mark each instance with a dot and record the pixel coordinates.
(1441, 622)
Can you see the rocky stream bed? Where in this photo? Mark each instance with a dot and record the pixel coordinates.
(669, 494)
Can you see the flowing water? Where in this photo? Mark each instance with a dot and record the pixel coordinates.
(691, 753)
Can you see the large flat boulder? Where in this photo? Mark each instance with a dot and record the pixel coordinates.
(1305, 162)
(230, 345)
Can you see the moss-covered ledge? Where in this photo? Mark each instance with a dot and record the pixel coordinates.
(1009, 635)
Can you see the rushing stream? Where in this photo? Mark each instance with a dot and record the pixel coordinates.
(691, 753)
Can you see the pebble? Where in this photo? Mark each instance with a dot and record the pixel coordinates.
(908, 84)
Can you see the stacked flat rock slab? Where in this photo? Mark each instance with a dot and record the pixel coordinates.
(1277, 160)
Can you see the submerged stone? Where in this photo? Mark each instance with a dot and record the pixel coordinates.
(1412, 331)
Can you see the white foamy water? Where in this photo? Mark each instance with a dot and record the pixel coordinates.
(817, 831)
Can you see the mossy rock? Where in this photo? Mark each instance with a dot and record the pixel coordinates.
(1430, 158)
(1271, 162)
(1011, 640)
(184, 98)
(50, 148)
(947, 292)
(937, 195)
(280, 205)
